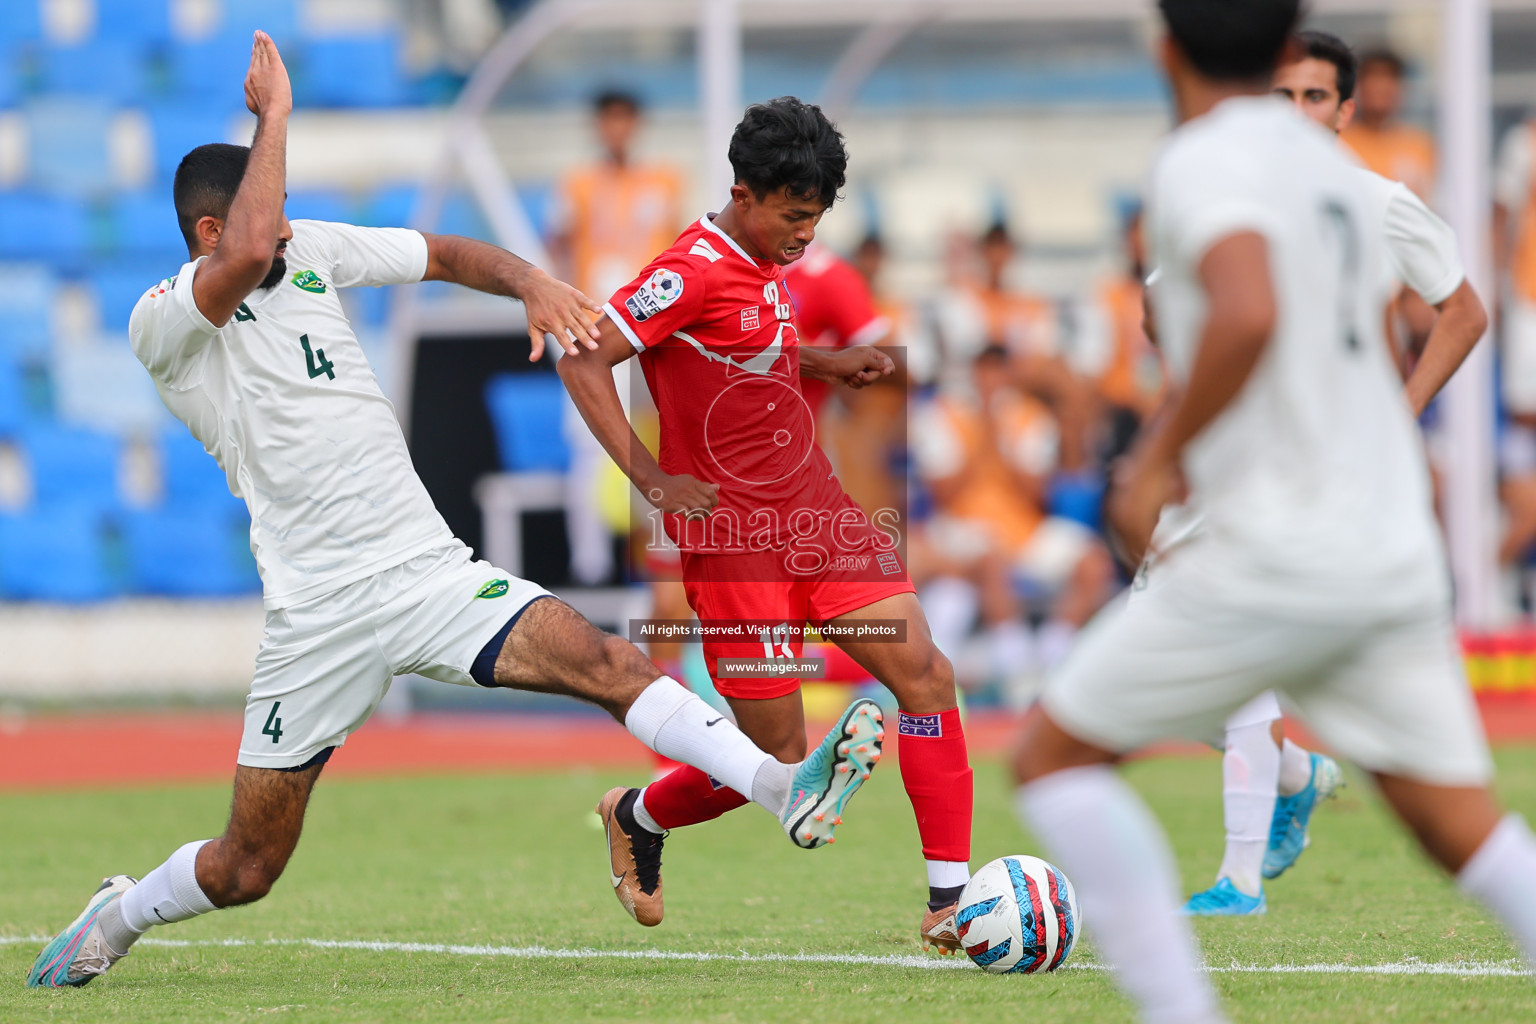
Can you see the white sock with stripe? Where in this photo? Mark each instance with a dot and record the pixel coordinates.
(1112, 850)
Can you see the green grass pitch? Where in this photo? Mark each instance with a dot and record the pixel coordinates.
(516, 861)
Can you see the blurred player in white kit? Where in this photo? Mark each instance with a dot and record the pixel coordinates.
(1271, 785)
(1319, 571)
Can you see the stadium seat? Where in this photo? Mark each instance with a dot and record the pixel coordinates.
(188, 552)
(134, 21)
(277, 18)
(178, 130)
(389, 207)
(317, 204)
(68, 151)
(118, 287)
(22, 22)
(10, 76)
(27, 294)
(100, 385)
(101, 67)
(528, 414)
(190, 477)
(196, 69)
(143, 224)
(12, 398)
(71, 465)
(48, 228)
(55, 553)
(350, 71)
(1080, 497)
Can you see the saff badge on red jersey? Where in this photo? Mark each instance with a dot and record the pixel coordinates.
(659, 291)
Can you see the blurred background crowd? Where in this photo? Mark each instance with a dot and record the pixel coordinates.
(989, 234)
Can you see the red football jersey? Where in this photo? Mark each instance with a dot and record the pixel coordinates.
(834, 309)
(720, 351)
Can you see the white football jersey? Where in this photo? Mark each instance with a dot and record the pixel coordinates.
(1421, 247)
(283, 397)
(1312, 482)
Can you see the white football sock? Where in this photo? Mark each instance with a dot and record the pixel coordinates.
(1102, 835)
(1249, 770)
(1502, 873)
(643, 817)
(1295, 768)
(167, 894)
(946, 874)
(674, 722)
(950, 606)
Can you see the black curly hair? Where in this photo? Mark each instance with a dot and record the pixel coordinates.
(785, 144)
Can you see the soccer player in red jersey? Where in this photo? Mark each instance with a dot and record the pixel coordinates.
(769, 539)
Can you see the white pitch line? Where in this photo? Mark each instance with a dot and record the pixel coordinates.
(1472, 968)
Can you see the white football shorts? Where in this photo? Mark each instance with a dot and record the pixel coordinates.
(325, 664)
(1175, 661)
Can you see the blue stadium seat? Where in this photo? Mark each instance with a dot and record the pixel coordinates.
(203, 73)
(13, 405)
(462, 216)
(10, 75)
(278, 18)
(28, 292)
(190, 477)
(22, 22)
(118, 287)
(48, 228)
(139, 21)
(68, 145)
(351, 71)
(1078, 496)
(143, 224)
(528, 414)
(101, 67)
(178, 130)
(71, 465)
(317, 204)
(101, 386)
(389, 207)
(188, 552)
(54, 554)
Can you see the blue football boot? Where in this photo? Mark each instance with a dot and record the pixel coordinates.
(834, 771)
(1225, 900)
(1288, 828)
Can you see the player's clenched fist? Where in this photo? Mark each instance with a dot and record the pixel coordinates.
(267, 90)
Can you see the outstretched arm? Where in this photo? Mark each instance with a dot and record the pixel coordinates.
(554, 307)
(247, 243)
(1461, 322)
(856, 366)
(588, 377)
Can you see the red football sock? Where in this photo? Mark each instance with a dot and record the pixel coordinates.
(687, 797)
(937, 774)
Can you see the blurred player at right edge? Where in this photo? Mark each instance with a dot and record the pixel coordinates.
(1270, 784)
(1320, 571)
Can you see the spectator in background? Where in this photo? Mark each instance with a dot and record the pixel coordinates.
(1514, 247)
(611, 217)
(1113, 350)
(980, 310)
(1392, 149)
(987, 456)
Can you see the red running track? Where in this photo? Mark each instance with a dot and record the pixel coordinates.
(48, 752)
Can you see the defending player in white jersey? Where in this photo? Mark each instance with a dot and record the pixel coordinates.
(1271, 785)
(1319, 572)
(362, 579)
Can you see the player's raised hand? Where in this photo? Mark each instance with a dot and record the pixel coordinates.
(556, 308)
(684, 495)
(267, 90)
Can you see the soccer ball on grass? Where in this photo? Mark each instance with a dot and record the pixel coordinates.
(1018, 915)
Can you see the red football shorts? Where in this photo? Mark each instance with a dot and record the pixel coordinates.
(725, 589)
